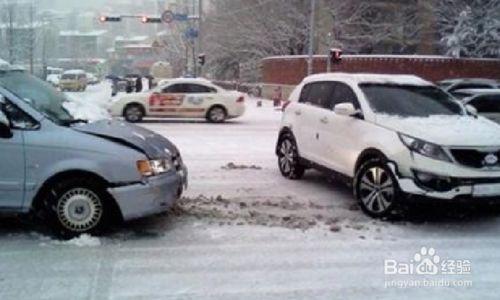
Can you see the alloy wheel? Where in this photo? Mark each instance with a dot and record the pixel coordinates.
(376, 190)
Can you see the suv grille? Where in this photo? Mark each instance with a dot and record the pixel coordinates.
(475, 158)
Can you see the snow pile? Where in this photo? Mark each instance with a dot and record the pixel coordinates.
(84, 240)
(86, 111)
(91, 105)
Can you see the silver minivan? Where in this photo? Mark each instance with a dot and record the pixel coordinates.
(76, 175)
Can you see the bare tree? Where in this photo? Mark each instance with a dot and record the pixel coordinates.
(374, 26)
(469, 28)
(240, 33)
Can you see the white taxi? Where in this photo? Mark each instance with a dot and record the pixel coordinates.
(181, 98)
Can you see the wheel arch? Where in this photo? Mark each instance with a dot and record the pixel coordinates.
(368, 154)
(45, 188)
(216, 105)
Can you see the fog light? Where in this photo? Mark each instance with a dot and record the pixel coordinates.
(434, 182)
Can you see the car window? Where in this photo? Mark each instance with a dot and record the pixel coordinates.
(410, 100)
(68, 76)
(487, 104)
(178, 88)
(462, 86)
(318, 94)
(38, 94)
(343, 94)
(18, 118)
(200, 89)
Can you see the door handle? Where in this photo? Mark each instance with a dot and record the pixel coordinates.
(324, 120)
(298, 112)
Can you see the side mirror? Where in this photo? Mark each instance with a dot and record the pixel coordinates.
(471, 110)
(5, 131)
(345, 109)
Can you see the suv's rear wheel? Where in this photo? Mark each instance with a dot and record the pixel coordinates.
(376, 189)
(133, 113)
(76, 206)
(288, 158)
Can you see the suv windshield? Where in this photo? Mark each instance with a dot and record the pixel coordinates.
(410, 100)
(38, 94)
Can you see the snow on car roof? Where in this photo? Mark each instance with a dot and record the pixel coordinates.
(479, 91)
(189, 80)
(357, 78)
(74, 72)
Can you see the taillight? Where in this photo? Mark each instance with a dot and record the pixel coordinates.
(241, 99)
(285, 105)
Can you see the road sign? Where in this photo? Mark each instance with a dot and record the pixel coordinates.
(181, 17)
(191, 33)
(168, 16)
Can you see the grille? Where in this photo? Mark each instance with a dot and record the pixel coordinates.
(474, 158)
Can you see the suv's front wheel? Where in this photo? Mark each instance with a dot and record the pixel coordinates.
(288, 158)
(376, 189)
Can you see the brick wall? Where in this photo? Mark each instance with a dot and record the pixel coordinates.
(290, 70)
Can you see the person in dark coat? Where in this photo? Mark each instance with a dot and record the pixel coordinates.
(138, 84)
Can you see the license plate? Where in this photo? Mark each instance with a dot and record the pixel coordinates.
(486, 190)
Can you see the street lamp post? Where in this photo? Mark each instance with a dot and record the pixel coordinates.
(311, 37)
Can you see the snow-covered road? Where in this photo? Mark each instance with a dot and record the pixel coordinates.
(244, 232)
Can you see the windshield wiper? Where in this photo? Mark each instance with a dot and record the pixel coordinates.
(74, 121)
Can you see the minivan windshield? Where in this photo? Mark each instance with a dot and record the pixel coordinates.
(410, 100)
(40, 95)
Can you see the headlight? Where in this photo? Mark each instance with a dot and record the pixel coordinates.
(154, 167)
(424, 148)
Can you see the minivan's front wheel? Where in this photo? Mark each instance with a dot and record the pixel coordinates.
(376, 189)
(288, 158)
(77, 206)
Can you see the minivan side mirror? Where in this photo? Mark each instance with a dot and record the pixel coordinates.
(471, 110)
(345, 109)
(5, 131)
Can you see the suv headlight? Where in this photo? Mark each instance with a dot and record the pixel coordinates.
(424, 148)
(154, 167)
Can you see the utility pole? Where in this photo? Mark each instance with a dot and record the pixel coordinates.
(200, 33)
(311, 37)
(10, 12)
(32, 36)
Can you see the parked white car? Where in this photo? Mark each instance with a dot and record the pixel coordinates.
(395, 137)
(464, 87)
(487, 103)
(184, 98)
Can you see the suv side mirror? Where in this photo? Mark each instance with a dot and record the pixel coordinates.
(5, 131)
(471, 110)
(345, 109)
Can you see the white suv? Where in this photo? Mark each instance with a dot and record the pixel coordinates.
(396, 137)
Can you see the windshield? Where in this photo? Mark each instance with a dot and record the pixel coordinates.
(409, 100)
(68, 76)
(40, 95)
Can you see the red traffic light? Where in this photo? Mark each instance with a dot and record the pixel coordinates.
(109, 19)
(146, 19)
(336, 55)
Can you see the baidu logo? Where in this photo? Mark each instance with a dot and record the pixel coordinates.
(427, 262)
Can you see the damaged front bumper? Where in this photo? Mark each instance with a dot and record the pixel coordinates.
(446, 187)
(152, 196)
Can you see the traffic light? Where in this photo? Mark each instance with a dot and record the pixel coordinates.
(335, 55)
(147, 19)
(201, 59)
(109, 19)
